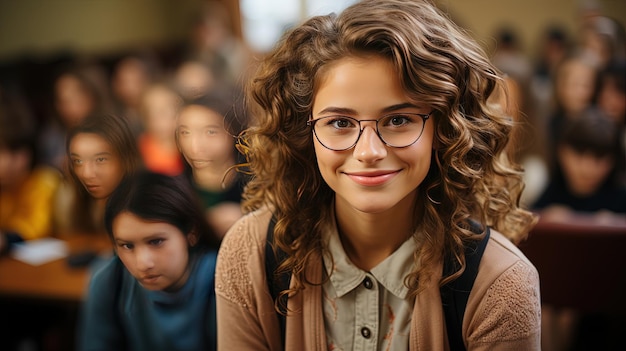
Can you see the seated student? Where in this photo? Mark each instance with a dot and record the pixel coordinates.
(26, 187)
(587, 170)
(204, 134)
(157, 293)
(157, 143)
(585, 184)
(101, 151)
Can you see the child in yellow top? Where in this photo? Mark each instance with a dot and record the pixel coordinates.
(26, 189)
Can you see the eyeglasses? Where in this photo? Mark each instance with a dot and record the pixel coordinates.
(339, 133)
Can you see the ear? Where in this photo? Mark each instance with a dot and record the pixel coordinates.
(192, 238)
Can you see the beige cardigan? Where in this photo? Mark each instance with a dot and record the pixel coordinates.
(503, 311)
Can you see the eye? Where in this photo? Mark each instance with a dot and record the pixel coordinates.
(126, 246)
(77, 161)
(339, 122)
(101, 159)
(398, 120)
(156, 242)
(183, 132)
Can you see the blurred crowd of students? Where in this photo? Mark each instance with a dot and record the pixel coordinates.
(86, 97)
(90, 124)
(571, 117)
(572, 143)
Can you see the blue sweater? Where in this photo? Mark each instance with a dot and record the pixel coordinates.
(119, 314)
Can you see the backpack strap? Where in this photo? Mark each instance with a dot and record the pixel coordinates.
(455, 294)
(276, 283)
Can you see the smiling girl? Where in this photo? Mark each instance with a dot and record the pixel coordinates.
(157, 293)
(380, 159)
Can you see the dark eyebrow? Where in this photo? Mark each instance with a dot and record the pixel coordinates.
(397, 107)
(98, 154)
(349, 111)
(338, 111)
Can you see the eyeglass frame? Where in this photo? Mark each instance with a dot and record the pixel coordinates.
(424, 116)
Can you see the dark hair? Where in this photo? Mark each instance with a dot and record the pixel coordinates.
(17, 125)
(594, 132)
(162, 198)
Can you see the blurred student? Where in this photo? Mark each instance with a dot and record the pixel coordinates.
(131, 76)
(205, 135)
(587, 172)
(574, 87)
(27, 188)
(101, 151)
(78, 91)
(157, 142)
(157, 293)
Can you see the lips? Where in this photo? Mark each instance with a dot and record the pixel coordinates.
(92, 187)
(149, 279)
(372, 178)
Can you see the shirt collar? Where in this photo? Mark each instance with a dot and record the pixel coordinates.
(345, 276)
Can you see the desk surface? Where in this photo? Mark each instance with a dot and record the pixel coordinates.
(54, 280)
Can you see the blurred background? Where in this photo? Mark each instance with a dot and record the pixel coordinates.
(564, 62)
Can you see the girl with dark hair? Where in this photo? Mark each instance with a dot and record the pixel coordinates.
(157, 293)
(379, 158)
(101, 152)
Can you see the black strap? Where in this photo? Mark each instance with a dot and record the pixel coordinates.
(455, 294)
(276, 284)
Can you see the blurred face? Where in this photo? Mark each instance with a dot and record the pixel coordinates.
(160, 107)
(584, 172)
(129, 81)
(370, 177)
(155, 253)
(575, 86)
(95, 163)
(14, 167)
(73, 101)
(612, 101)
(204, 142)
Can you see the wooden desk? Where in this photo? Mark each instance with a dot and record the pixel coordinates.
(54, 280)
(581, 265)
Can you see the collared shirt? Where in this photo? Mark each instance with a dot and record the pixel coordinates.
(367, 310)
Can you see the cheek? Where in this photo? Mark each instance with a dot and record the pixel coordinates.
(327, 161)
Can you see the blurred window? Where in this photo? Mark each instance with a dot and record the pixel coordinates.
(264, 21)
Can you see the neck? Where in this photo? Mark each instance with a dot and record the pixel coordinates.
(214, 179)
(369, 239)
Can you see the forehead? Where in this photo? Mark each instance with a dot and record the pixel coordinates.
(199, 115)
(89, 144)
(360, 83)
(130, 227)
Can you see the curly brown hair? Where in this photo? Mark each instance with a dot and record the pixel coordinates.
(437, 64)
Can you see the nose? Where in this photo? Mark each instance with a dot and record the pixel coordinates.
(196, 144)
(87, 170)
(144, 259)
(369, 148)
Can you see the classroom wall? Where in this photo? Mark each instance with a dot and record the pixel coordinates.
(42, 27)
(528, 17)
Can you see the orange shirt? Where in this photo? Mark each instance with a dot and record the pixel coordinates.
(158, 158)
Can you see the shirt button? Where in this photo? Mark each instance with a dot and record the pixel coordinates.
(367, 283)
(366, 332)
